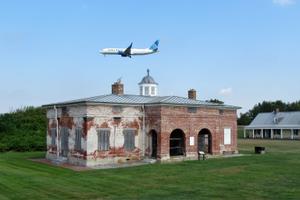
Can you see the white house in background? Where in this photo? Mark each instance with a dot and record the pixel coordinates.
(274, 125)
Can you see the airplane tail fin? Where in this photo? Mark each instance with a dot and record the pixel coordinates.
(154, 46)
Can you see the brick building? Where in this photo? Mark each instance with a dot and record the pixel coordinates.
(121, 128)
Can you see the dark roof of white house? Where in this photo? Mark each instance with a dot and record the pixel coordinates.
(142, 100)
(276, 120)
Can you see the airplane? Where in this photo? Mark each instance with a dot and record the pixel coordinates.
(128, 52)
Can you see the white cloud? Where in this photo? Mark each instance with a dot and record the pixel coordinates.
(284, 2)
(226, 91)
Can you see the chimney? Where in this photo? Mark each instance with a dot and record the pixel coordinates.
(117, 88)
(192, 94)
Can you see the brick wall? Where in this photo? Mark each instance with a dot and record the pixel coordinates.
(165, 119)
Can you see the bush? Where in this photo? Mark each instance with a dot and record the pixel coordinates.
(23, 130)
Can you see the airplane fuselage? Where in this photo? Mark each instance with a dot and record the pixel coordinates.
(129, 51)
(133, 52)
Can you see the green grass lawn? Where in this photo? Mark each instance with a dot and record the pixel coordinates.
(275, 175)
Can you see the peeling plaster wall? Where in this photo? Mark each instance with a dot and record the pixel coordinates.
(70, 118)
(106, 117)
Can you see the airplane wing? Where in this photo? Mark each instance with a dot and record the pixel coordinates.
(127, 51)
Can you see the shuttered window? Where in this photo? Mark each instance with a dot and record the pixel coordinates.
(192, 109)
(64, 138)
(141, 90)
(78, 133)
(117, 109)
(152, 90)
(103, 139)
(129, 139)
(53, 136)
(64, 131)
(147, 91)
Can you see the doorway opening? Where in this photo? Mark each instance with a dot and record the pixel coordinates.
(177, 143)
(205, 141)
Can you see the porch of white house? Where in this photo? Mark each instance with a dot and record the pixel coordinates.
(270, 133)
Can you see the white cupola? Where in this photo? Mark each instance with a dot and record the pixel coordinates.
(148, 87)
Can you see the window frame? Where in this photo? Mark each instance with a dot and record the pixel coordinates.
(103, 135)
(129, 139)
(152, 90)
(53, 133)
(141, 90)
(78, 136)
(192, 109)
(147, 90)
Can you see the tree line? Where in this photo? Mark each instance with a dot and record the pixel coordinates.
(267, 106)
(23, 130)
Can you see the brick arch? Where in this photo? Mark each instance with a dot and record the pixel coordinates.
(177, 145)
(152, 130)
(205, 141)
(153, 135)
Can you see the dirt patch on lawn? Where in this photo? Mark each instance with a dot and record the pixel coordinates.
(63, 165)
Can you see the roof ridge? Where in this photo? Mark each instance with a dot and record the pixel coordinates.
(279, 112)
(94, 97)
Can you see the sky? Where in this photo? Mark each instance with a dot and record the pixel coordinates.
(241, 52)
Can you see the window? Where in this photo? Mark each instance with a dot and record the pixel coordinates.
(141, 90)
(227, 136)
(147, 90)
(152, 90)
(78, 133)
(103, 139)
(129, 139)
(64, 111)
(64, 131)
(192, 109)
(276, 131)
(296, 132)
(117, 109)
(53, 136)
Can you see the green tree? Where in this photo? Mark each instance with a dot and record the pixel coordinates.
(23, 130)
(215, 101)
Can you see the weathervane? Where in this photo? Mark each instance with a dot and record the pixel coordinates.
(119, 80)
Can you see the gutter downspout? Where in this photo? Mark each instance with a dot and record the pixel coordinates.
(144, 132)
(57, 140)
(115, 130)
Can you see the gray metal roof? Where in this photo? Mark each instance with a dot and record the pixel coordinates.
(276, 120)
(142, 100)
(148, 79)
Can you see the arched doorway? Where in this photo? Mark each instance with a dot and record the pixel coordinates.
(205, 141)
(177, 143)
(153, 136)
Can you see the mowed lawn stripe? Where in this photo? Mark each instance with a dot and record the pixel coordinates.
(275, 175)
